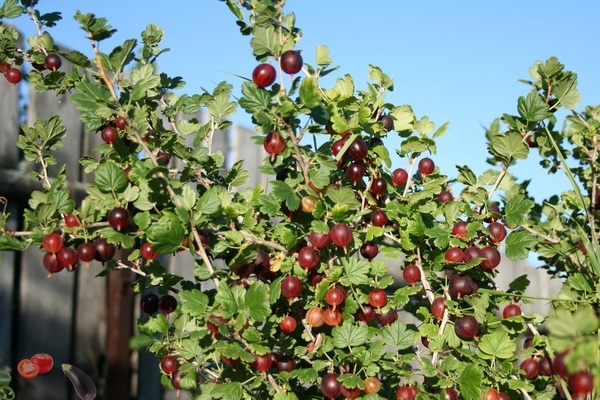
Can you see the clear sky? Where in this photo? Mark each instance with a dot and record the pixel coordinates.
(456, 61)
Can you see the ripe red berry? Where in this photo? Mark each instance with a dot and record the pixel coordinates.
(581, 383)
(461, 285)
(387, 121)
(169, 364)
(492, 257)
(147, 252)
(330, 386)
(426, 166)
(52, 243)
(274, 144)
(291, 62)
(288, 324)
(379, 186)
(355, 171)
(52, 62)
(264, 75)
(358, 149)
(167, 303)
(67, 257)
(411, 274)
(104, 251)
(262, 362)
(51, 264)
(332, 316)
(120, 123)
(460, 229)
(511, 310)
(13, 75)
(71, 221)
(531, 368)
(335, 296)
(118, 218)
(309, 257)
(109, 134)
(466, 327)
(399, 176)
(149, 303)
(379, 218)
(377, 298)
(438, 307)
(341, 235)
(291, 287)
(445, 196)
(319, 239)
(497, 231)
(454, 255)
(369, 250)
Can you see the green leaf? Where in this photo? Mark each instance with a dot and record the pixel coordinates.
(349, 335)
(187, 197)
(404, 118)
(323, 55)
(236, 176)
(516, 210)
(89, 97)
(110, 177)
(344, 196)
(227, 391)
(424, 126)
(97, 28)
(256, 300)
(221, 107)
(285, 396)
(122, 55)
(309, 92)
(470, 381)
(145, 82)
(320, 177)
(284, 193)
(193, 302)
(265, 41)
(305, 375)
(480, 305)
(509, 147)
(11, 243)
(254, 98)
(11, 10)
(518, 243)
(533, 107)
(497, 345)
(466, 175)
(209, 203)
(226, 299)
(399, 336)
(356, 271)
(166, 234)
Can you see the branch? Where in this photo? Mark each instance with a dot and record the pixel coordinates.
(541, 235)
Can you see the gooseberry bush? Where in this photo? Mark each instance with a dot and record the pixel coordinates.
(289, 295)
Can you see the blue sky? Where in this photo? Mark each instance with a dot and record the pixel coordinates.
(452, 61)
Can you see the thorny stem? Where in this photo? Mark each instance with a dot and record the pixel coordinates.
(121, 265)
(498, 181)
(44, 172)
(411, 165)
(541, 235)
(37, 23)
(298, 155)
(431, 298)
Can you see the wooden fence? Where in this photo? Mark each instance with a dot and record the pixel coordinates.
(75, 317)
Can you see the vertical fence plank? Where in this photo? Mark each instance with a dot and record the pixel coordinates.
(9, 128)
